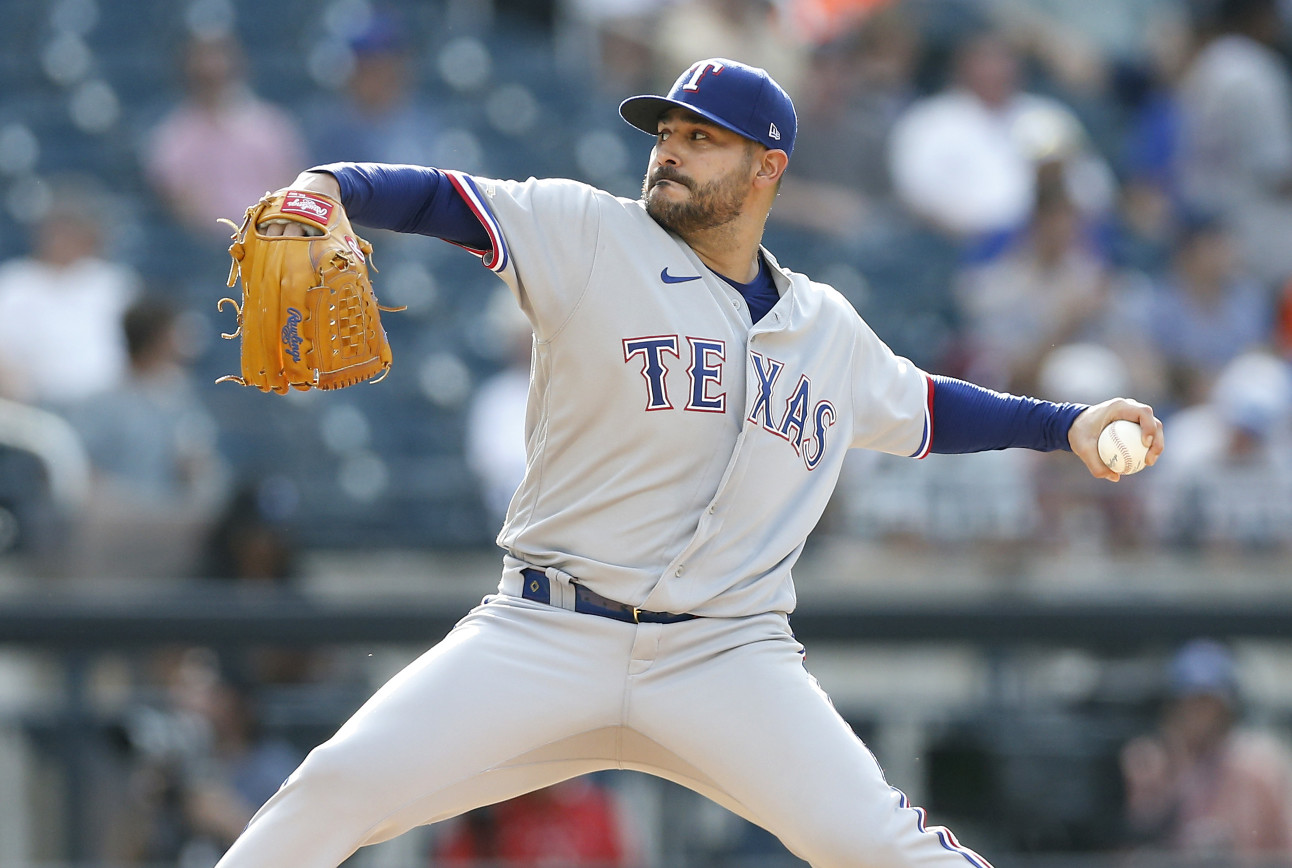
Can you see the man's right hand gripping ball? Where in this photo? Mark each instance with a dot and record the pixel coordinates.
(309, 318)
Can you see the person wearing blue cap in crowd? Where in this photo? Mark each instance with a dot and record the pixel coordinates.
(1201, 785)
(690, 405)
(376, 113)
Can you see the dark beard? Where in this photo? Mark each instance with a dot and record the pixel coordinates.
(709, 206)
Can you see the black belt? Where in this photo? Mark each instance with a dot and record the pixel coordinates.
(589, 602)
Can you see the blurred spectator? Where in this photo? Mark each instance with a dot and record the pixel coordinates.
(250, 543)
(1201, 787)
(1143, 230)
(1142, 233)
(1084, 373)
(1283, 322)
(61, 307)
(1236, 105)
(379, 117)
(967, 159)
(986, 500)
(1077, 41)
(1121, 32)
(203, 766)
(252, 549)
(152, 448)
(751, 31)
(496, 437)
(823, 21)
(1227, 483)
(1078, 513)
(855, 89)
(44, 484)
(1048, 289)
(619, 40)
(1203, 313)
(222, 147)
(1146, 86)
(151, 439)
(573, 824)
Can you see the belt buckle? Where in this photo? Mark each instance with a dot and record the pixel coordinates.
(637, 615)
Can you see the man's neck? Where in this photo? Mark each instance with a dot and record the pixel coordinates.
(728, 251)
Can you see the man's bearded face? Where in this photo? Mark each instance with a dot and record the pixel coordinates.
(708, 206)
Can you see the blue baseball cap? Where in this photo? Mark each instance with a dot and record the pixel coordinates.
(741, 98)
(1203, 667)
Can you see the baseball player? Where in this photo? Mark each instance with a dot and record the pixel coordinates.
(690, 407)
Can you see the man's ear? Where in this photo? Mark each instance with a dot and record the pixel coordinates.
(771, 167)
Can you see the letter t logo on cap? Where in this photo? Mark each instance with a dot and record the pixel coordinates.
(693, 83)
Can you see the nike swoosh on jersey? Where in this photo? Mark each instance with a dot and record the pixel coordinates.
(672, 278)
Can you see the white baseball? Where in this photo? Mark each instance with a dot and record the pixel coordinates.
(1121, 447)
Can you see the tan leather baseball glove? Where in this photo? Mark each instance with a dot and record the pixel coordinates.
(309, 318)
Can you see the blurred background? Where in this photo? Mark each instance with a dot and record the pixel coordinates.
(1069, 198)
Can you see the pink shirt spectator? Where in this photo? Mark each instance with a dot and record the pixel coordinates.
(214, 162)
(223, 147)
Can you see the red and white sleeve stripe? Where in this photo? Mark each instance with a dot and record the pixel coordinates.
(497, 258)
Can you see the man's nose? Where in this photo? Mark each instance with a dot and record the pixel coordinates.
(665, 155)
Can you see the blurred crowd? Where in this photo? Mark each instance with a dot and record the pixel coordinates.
(1073, 199)
(1203, 783)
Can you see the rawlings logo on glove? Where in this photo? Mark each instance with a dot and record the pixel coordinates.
(314, 208)
(308, 318)
(292, 334)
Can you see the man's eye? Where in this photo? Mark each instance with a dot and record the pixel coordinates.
(662, 135)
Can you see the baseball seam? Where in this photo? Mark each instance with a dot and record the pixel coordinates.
(1127, 461)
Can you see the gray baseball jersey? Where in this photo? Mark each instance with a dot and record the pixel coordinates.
(677, 458)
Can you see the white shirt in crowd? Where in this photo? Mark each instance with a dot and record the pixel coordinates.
(60, 328)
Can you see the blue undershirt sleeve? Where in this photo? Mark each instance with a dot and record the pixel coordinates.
(969, 418)
(416, 199)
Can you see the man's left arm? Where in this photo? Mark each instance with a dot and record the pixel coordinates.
(970, 418)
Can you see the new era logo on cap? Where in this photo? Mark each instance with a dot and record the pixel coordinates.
(744, 99)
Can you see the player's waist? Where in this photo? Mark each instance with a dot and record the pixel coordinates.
(566, 593)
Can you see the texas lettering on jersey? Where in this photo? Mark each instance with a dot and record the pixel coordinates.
(799, 422)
